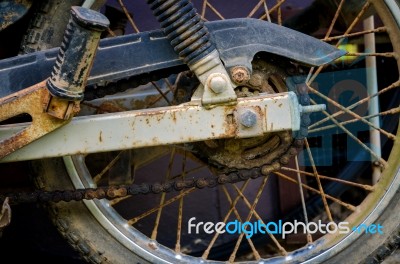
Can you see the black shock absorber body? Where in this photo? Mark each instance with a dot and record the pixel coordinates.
(184, 28)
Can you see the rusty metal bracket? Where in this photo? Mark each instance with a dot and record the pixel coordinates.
(29, 101)
(54, 101)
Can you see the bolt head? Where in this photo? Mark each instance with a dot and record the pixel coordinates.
(218, 84)
(248, 118)
(240, 74)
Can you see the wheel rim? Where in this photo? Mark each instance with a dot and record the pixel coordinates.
(330, 244)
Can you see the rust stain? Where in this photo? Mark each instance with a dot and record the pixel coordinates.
(152, 246)
(230, 128)
(173, 115)
(101, 136)
(29, 101)
(110, 107)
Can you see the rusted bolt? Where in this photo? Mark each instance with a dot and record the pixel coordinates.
(248, 118)
(218, 84)
(240, 74)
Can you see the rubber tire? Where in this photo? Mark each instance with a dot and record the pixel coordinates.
(47, 27)
(76, 223)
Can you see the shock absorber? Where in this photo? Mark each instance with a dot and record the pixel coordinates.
(184, 28)
(191, 40)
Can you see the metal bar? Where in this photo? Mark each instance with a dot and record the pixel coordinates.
(161, 126)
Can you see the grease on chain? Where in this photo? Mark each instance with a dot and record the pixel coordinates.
(113, 192)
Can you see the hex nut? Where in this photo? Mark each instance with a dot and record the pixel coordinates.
(248, 118)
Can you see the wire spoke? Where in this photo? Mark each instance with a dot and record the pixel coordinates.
(362, 119)
(356, 34)
(133, 24)
(316, 175)
(118, 200)
(235, 211)
(249, 216)
(366, 99)
(376, 54)
(155, 209)
(259, 4)
(328, 33)
(349, 29)
(180, 210)
(279, 15)
(100, 175)
(303, 203)
(110, 32)
(362, 186)
(354, 137)
(162, 199)
(358, 17)
(162, 93)
(203, 9)
(392, 111)
(247, 202)
(227, 215)
(329, 197)
(274, 8)
(215, 10)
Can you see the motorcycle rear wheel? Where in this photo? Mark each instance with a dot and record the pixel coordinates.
(101, 234)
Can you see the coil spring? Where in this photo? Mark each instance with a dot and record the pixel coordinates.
(184, 28)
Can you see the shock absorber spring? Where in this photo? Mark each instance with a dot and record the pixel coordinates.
(184, 28)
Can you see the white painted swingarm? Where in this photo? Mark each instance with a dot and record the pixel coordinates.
(188, 122)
